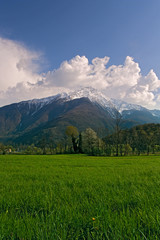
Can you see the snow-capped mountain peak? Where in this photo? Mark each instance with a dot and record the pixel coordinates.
(122, 106)
(93, 95)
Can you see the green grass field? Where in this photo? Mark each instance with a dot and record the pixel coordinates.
(58, 197)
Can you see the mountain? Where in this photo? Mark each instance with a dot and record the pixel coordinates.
(29, 121)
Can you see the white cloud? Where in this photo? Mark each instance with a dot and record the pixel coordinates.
(16, 64)
(78, 72)
(19, 79)
(123, 82)
(151, 80)
(141, 95)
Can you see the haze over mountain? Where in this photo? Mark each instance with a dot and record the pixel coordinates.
(28, 121)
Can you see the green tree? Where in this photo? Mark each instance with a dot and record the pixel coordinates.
(42, 144)
(90, 141)
(80, 143)
(72, 132)
(141, 141)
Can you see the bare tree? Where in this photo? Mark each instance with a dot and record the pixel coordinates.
(117, 131)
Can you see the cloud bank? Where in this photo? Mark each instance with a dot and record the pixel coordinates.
(19, 78)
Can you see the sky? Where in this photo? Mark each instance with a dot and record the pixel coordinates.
(52, 46)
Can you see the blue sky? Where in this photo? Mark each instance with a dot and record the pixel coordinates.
(59, 30)
(62, 29)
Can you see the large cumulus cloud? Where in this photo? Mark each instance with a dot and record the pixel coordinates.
(20, 80)
(123, 82)
(17, 64)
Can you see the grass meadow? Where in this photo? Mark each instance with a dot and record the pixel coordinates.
(79, 197)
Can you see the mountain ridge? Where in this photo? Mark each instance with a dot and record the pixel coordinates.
(94, 96)
(83, 108)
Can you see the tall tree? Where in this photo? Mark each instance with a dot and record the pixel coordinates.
(72, 132)
(117, 131)
(80, 143)
(90, 141)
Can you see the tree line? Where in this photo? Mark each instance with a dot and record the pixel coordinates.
(142, 139)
